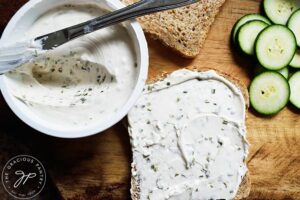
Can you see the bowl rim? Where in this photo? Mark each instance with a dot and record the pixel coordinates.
(142, 54)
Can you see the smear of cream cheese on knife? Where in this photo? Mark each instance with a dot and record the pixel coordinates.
(188, 138)
(82, 82)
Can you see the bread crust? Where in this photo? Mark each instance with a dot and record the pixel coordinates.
(245, 186)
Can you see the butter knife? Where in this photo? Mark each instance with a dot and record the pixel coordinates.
(18, 54)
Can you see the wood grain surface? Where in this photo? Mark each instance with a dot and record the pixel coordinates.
(98, 167)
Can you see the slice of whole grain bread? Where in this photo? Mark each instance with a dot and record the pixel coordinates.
(245, 186)
(183, 29)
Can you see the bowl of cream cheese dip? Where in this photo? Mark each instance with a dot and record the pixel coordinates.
(83, 87)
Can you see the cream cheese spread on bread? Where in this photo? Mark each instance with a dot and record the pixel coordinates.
(188, 138)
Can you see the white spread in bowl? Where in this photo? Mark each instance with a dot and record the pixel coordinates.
(188, 138)
(82, 82)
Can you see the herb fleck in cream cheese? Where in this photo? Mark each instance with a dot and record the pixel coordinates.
(188, 138)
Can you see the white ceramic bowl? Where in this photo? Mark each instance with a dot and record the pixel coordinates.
(22, 21)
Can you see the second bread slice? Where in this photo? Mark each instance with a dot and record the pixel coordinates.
(183, 29)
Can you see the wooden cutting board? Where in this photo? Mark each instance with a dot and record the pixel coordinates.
(98, 167)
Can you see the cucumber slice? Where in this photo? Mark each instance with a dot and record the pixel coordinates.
(269, 93)
(246, 19)
(247, 35)
(275, 47)
(284, 72)
(295, 89)
(296, 60)
(294, 25)
(279, 11)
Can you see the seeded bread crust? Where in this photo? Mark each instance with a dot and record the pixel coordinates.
(245, 187)
(185, 29)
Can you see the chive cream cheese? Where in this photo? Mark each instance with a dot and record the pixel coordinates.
(82, 82)
(188, 138)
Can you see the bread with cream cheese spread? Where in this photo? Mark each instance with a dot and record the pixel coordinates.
(183, 29)
(245, 185)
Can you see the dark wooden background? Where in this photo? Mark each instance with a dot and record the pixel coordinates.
(98, 167)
